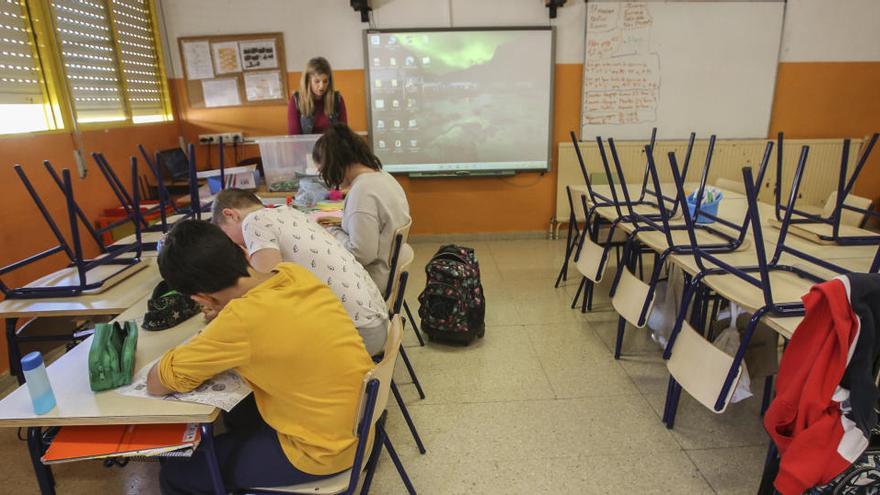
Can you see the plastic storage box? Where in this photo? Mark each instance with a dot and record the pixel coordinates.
(285, 158)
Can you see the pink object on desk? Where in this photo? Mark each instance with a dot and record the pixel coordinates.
(334, 195)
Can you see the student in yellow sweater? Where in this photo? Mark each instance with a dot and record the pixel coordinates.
(289, 337)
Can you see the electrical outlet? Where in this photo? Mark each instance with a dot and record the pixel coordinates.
(228, 138)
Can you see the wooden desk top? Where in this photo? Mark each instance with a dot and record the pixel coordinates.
(263, 192)
(112, 301)
(78, 405)
(635, 189)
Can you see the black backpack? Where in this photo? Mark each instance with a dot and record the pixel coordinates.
(452, 306)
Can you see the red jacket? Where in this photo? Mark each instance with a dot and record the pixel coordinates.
(816, 441)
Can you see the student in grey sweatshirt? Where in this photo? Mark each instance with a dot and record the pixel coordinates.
(375, 206)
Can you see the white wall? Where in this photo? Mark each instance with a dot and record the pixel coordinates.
(831, 31)
(332, 29)
(815, 30)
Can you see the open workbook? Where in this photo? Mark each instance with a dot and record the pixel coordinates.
(77, 443)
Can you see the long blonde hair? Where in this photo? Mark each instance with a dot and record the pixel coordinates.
(316, 66)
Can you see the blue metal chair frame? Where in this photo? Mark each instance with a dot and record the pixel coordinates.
(571, 239)
(165, 200)
(615, 202)
(380, 441)
(395, 310)
(844, 188)
(694, 288)
(592, 221)
(394, 390)
(728, 242)
(74, 252)
(575, 232)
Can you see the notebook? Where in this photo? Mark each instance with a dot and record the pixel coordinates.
(76, 443)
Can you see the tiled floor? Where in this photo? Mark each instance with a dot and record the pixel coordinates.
(538, 406)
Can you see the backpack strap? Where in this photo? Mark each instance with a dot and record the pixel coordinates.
(306, 122)
(336, 99)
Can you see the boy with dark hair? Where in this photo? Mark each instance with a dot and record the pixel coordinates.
(288, 336)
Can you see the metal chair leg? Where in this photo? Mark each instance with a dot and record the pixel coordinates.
(412, 372)
(407, 418)
(43, 472)
(563, 271)
(393, 454)
(590, 296)
(578, 293)
(669, 385)
(673, 404)
(768, 394)
(588, 290)
(373, 461)
(771, 467)
(621, 327)
(413, 322)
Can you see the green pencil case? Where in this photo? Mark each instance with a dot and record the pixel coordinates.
(111, 356)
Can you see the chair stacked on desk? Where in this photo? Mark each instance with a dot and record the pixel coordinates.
(599, 234)
(666, 233)
(758, 256)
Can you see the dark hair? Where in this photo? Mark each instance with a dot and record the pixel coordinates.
(232, 198)
(340, 148)
(198, 257)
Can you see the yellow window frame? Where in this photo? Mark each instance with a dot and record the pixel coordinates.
(58, 103)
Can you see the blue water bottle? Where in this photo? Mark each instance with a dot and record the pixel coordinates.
(37, 381)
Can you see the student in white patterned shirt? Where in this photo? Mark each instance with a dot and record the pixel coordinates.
(273, 235)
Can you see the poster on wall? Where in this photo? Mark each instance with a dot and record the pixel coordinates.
(258, 54)
(264, 85)
(226, 60)
(221, 92)
(197, 60)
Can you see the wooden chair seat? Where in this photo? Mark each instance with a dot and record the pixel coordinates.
(701, 368)
(630, 297)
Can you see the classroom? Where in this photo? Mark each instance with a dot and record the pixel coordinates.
(440, 247)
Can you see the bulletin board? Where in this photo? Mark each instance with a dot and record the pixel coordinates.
(234, 70)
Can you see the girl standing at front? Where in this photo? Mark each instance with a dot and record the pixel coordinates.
(317, 104)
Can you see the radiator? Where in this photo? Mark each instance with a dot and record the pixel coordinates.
(730, 156)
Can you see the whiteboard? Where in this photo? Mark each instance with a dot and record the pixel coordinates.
(706, 67)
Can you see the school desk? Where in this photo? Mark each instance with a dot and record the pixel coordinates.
(78, 405)
(786, 287)
(112, 301)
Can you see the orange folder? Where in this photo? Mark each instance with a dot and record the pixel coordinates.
(75, 443)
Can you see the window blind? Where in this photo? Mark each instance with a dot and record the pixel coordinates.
(87, 50)
(23, 104)
(132, 23)
(19, 71)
